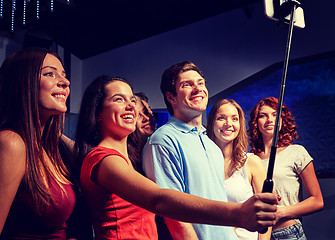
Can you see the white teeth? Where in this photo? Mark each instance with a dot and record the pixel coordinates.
(198, 98)
(128, 117)
(60, 96)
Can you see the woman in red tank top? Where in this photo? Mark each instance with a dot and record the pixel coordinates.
(36, 196)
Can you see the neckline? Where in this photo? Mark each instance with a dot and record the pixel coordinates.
(278, 152)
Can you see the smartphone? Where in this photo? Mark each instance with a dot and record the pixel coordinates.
(274, 9)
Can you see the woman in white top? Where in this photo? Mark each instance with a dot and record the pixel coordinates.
(293, 165)
(244, 173)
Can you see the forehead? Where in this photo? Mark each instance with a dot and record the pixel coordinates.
(266, 108)
(52, 61)
(190, 75)
(118, 87)
(227, 108)
(139, 104)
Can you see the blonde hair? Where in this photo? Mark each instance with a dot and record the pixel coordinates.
(240, 143)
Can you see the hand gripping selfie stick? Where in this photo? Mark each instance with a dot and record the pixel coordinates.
(268, 183)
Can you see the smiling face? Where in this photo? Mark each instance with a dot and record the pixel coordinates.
(54, 88)
(192, 95)
(144, 123)
(267, 120)
(118, 114)
(226, 124)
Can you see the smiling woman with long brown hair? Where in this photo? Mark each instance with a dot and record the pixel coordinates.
(36, 196)
(244, 172)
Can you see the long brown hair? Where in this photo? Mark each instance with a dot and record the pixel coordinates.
(136, 140)
(287, 134)
(88, 131)
(240, 143)
(19, 111)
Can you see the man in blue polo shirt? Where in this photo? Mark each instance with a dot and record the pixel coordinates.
(180, 156)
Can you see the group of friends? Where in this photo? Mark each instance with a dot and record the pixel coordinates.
(201, 182)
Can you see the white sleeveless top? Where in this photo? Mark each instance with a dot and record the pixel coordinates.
(239, 190)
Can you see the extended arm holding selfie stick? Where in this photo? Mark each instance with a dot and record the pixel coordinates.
(268, 183)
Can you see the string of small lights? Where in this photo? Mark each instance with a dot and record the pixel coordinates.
(1, 8)
(24, 11)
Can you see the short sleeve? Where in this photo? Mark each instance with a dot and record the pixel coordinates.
(303, 158)
(162, 165)
(93, 159)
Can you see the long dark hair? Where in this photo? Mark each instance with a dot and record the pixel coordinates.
(240, 143)
(135, 145)
(136, 140)
(20, 76)
(88, 132)
(287, 134)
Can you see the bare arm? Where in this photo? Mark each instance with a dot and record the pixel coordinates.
(115, 175)
(69, 143)
(12, 168)
(313, 203)
(257, 173)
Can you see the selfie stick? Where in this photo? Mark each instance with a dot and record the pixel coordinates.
(268, 183)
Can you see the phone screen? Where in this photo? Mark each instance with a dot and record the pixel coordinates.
(274, 10)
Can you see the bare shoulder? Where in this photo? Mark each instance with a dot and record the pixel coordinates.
(12, 148)
(12, 169)
(11, 140)
(256, 172)
(255, 166)
(253, 160)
